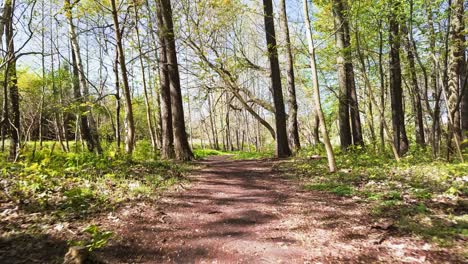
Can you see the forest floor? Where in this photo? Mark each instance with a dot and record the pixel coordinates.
(247, 212)
(241, 211)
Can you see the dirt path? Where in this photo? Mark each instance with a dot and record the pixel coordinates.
(244, 212)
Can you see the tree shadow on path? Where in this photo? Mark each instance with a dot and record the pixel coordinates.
(245, 212)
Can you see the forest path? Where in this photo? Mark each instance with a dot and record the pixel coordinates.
(245, 212)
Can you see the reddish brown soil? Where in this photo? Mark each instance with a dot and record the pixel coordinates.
(245, 212)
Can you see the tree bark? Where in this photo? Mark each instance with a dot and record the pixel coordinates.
(129, 122)
(12, 82)
(316, 91)
(455, 67)
(349, 119)
(212, 117)
(343, 93)
(81, 91)
(396, 91)
(293, 128)
(181, 145)
(464, 102)
(149, 118)
(432, 83)
(382, 89)
(118, 136)
(418, 114)
(282, 145)
(167, 149)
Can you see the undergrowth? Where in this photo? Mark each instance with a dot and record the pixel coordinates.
(236, 155)
(425, 197)
(48, 185)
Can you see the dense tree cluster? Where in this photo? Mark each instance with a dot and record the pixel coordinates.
(220, 73)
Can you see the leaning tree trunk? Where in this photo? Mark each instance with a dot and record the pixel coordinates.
(432, 83)
(396, 91)
(419, 125)
(316, 91)
(149, 118)
(181, 145)
(282, 146)
(156, 65)
(81, 92)
(129, 122)
(293, 129)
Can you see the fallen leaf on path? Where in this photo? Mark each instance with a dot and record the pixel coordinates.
(383, 224)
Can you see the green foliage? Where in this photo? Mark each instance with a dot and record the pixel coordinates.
(80, 198)
(246, 155)
(97, 238)
(340, 190)
(416, 189)
(203, 153)
(236, 155)
(82, 183)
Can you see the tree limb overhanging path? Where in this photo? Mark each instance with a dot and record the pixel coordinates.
(247, 212)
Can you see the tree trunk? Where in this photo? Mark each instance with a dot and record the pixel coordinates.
(343, 94)
(368, 87)
(316, 91)
(432, 83)
(349, 119)
(396, 91)
(118, 137)
(282, 146)
(464, 102)
(129, 122)
(212, 118)
(41, 109)
(455, 67)
(181, 145)
(167, 150)
(382, 89)
(228, 123)
(81, 92)
(418, 114)
(149, 118)
(155, 63)
(11, 78)
(293, 129)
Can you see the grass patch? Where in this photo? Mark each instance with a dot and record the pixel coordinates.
(245, 155)
(236, 155)
(204, 153)
(416, 189)
(52, 186)
(340, 190)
